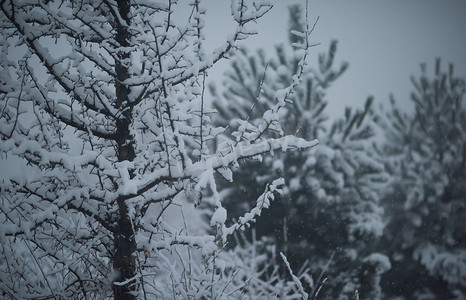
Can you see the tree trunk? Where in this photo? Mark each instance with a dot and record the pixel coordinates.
(124, 260)
(125, 245)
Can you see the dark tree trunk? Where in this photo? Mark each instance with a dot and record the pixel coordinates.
(125, 245)
(124, 260)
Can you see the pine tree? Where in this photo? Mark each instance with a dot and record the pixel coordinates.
(329, 207)
(426, 153)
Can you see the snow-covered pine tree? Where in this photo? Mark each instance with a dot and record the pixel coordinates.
(102, 108)
(426, 204)
(330, 203)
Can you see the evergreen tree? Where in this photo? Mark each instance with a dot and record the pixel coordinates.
(329, 207)
(426, 207)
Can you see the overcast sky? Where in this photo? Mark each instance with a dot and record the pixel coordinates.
(384, 41)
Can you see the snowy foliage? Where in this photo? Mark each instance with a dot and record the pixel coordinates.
(102, 103)
(330, 201)
(426, 152)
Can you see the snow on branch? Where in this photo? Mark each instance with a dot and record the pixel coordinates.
(106, 119)
(296, 280)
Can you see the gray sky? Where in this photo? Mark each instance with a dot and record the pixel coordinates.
(384, 41)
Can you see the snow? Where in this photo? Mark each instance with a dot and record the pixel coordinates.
(295, 184)
(380, 261)
(304, 295)
(278, 165)
(219, 216)
(77, 195)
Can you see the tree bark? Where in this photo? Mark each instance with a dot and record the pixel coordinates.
(125, 245)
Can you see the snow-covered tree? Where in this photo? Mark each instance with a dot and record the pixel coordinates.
(330, 205)
(426, 204)
(102, 107)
